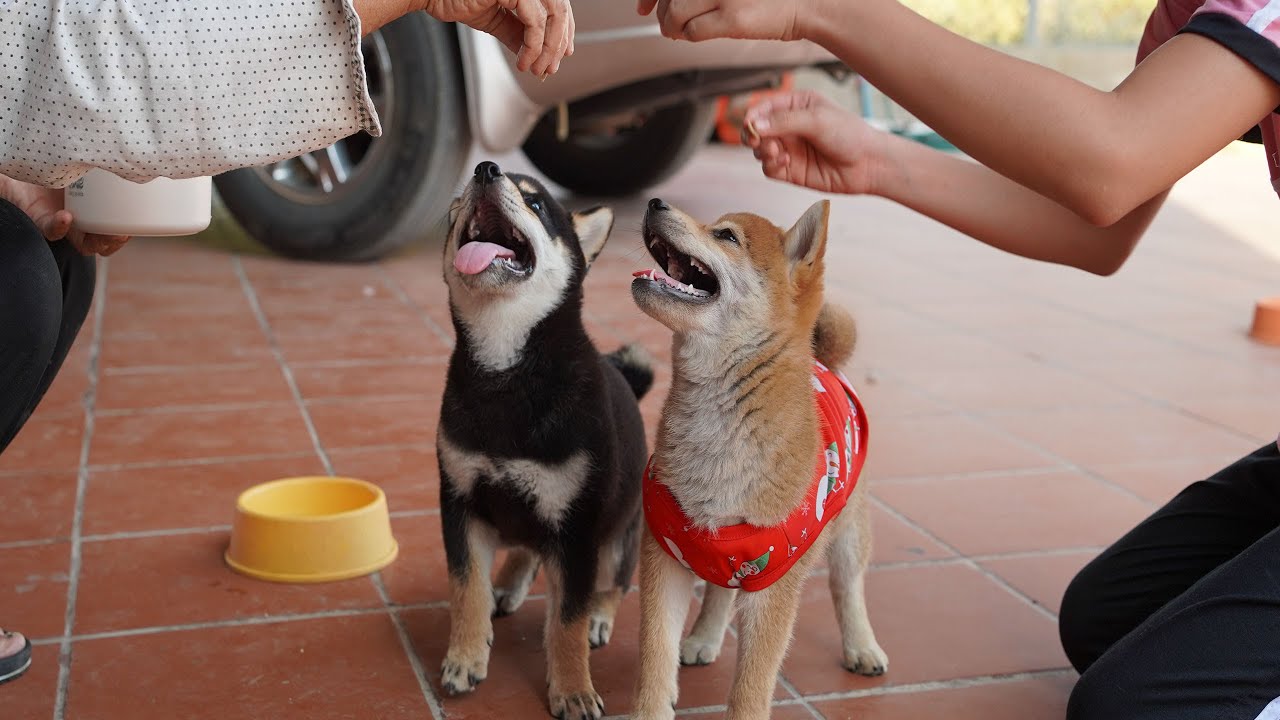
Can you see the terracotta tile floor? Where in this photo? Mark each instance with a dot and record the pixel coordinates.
(1023, 416)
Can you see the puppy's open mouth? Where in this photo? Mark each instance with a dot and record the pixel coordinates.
(685, 277)
(490, 240)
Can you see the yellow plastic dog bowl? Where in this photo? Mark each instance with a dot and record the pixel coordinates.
(311, 529)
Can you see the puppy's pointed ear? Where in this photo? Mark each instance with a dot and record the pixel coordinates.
(807, 239)
(592, 227)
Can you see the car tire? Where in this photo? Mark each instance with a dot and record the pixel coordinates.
(624, 162)
(397, 187)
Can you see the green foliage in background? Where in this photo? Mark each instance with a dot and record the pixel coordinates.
(1004, 22)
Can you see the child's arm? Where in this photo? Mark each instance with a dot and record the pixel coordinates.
(805, 139)
(1003, 214)
(1100, 154)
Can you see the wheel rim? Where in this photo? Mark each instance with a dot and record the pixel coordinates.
(322, 176)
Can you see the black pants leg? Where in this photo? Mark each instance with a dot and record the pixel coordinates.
(45, 293)
(1180, 618)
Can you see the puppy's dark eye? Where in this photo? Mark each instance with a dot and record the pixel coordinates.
(726, 234)
(534, 204)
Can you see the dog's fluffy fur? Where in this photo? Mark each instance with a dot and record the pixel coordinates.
(541, 444)
(737, 442)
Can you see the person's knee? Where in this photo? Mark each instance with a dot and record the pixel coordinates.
(30, 294)
(1095, 699)
(79, 274)
(1081, 616)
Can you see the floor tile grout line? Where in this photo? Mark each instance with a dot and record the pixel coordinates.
(213, 460)
(135, 370)
(155, 533)
(41, 542)
(199, 407)
(292, 382)
(708, 709)
(935, 685)
(217, 459)
(966, 560)
(259, 405)
(398, 291)
(243, 622)
(257, 620)
(171, 532)
(1031, 554)
(399, 360)
(380, 397)
(406, 643)
(976, 475)
(423, 512)
(82, 481)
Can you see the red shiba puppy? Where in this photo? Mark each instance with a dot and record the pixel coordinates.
(754, 476)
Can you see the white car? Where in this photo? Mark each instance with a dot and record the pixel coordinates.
(626, 110)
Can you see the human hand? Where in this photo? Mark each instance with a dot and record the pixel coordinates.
(45, 208)
(743, 19)
(806, 139)
(539, 32)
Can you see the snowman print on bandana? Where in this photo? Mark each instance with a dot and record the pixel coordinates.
(749, 568)
(830, 483)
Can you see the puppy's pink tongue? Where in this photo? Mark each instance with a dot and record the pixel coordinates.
(474, 257)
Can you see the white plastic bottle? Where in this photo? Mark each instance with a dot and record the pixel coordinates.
(109, 205)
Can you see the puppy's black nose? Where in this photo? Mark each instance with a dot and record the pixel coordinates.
(487, 172)
(658, 204)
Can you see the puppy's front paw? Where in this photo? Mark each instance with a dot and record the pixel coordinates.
(600, 631)
(582, 705)
(870, 660)
(508, 600)
(461, 672)
(699, 651)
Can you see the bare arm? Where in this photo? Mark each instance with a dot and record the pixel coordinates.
(804, 138)
(990, 208)
(1101, 154)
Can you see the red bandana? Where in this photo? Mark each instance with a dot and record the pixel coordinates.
(753, 558)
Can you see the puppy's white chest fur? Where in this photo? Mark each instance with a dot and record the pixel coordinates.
(550, 487)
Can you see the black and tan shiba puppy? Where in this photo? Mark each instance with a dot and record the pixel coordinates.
(541, 444)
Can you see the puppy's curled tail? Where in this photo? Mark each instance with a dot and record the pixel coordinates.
(834, 335)
(634, 364)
